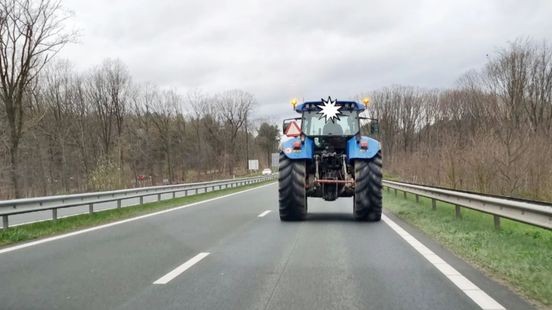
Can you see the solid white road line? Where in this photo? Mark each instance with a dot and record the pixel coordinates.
(180, 269)
(481, 298)
(78, 232)
(264, 213)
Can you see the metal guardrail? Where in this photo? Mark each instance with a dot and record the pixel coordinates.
(98, 195)
(529, 212)
(121, 195)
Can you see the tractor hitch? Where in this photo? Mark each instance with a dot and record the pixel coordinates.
(329, 181)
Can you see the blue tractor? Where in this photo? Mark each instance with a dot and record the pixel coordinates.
(327, 157)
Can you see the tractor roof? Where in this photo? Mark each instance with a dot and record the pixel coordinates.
(307, 105)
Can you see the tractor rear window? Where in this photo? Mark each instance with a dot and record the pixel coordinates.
(314, 124)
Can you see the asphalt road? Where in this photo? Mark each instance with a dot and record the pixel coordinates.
(222, 255)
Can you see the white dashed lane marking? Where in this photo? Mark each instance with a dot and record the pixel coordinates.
(264, 213)
(180, 269)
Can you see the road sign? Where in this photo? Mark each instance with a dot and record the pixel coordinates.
(275, 159)
(293, 129)
(253, 164)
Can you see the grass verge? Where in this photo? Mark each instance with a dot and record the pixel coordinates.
(32, 231)
(519, 254)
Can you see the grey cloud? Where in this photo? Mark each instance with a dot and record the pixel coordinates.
(283, 49)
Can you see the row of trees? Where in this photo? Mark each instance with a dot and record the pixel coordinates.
(492, 133)
(99, 130)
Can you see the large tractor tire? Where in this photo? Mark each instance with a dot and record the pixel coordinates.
(367, 199)
(293, 196)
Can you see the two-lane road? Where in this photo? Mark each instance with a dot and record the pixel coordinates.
(234, 253)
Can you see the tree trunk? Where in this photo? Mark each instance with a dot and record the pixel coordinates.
(14, 150)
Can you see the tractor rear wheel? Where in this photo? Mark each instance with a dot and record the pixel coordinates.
(293, 196)
(367, 198)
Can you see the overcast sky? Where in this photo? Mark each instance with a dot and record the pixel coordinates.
(282, 49)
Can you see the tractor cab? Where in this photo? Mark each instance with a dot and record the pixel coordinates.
(331, 119)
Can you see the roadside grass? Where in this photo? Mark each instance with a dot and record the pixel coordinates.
(519, 254)
(49, 228)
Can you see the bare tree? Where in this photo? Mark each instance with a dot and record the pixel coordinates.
(58, 122)
(197, 103)
(266, 139)
(31, 33)
(233, 108)
(108, 87)
(163, 116)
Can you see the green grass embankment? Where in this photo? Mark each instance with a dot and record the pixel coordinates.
(519, 254)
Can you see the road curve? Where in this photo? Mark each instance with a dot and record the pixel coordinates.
(234, 253)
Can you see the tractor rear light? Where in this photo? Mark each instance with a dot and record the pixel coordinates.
(297, 145)
(364, 145)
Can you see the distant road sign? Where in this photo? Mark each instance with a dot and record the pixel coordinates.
(253, 164)
(275, 159)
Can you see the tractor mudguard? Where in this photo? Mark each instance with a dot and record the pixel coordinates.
(305, 152)
(354, 151)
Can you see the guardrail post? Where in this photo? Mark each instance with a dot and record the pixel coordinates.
(458, 212)
(496, 222)
(196, 191)
(141, 200)
(388, 189)
(417, 198)
(158, 197)
(119, 204)
(5, 221)
(174, 195)
(54, 214)
(185, 192)
(404, 194)
(90, 208)
(433, 204)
